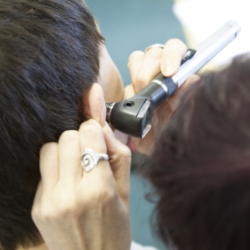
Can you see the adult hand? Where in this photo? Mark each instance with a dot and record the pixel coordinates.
(75, 209)
(143, 67)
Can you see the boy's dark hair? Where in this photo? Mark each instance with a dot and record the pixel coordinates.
(200, 167)
(49, 56)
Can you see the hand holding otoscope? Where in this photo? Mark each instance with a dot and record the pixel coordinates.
(133, 116)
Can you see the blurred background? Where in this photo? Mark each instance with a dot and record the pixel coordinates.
(130, 25)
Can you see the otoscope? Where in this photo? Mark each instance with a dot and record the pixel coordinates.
(133, 116)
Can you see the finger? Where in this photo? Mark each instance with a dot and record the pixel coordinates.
(120, 161)
(150, 67)
(134, 64)
(49, 168)
(129, 91)
(35, 212)
(172, 55)
(91, 136)
(95, 104)
(69, 157)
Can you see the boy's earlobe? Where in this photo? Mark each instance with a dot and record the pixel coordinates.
(95, 107)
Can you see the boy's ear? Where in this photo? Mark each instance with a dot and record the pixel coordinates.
(95, 107)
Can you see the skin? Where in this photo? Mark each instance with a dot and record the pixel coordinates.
(74, 209)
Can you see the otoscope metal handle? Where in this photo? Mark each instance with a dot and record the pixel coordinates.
(133, 116)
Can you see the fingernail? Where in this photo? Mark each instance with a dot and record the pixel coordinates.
(168, 69)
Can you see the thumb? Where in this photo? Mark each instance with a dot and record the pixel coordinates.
(128, 92)
(120, 162)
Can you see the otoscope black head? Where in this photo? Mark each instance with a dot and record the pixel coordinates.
(132, 116)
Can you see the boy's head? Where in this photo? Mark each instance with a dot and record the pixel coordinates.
(201, 164)
(49, 58)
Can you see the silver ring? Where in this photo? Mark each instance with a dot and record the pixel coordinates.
(90, 159)
(157, 45)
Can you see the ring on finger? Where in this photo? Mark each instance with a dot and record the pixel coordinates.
(156, 45)
(90, 159)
